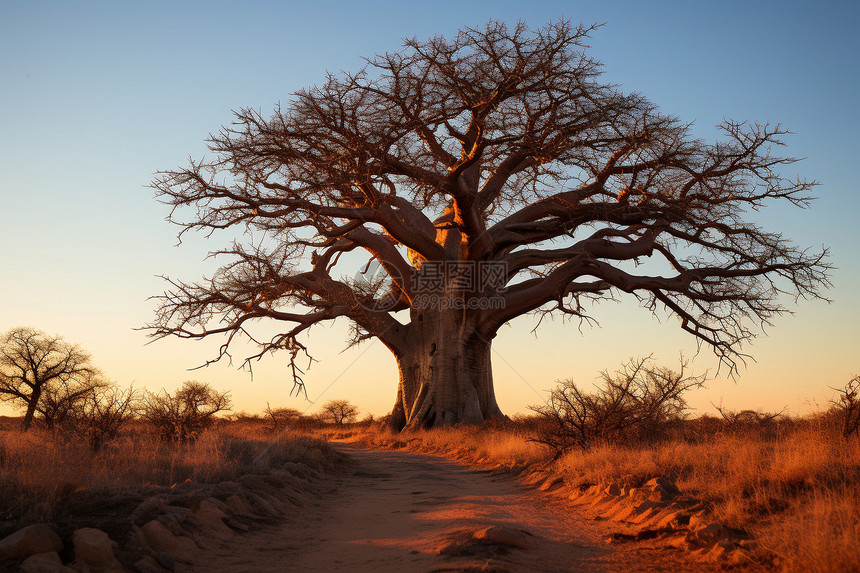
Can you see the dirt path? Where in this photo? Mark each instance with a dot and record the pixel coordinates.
(394, 510)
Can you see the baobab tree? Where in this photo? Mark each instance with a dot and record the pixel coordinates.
(43, 374)
(479, 178)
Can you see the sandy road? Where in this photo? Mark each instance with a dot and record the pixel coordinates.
(391, 511)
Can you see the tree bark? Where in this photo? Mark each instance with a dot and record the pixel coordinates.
(445, 373)
(31, 409)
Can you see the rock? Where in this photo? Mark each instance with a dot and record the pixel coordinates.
(662, 481)
(697, 522)
(28, 541)
(137, 540)
(721, 551)
(167, 560)
(551, 483)
(613, 490)
(289, 480)
(160, 539)
(662, 495)
(171, 524)
(674, 520)
(237, 506)
(48, 562)
(497, 535)
(256, 482)
(300, 470)
(148, 509)
(94, 548)
(147, 564)
(662, 489)
(709, 534)
(262, 505)
(208, 507)
(217, 503)
(235, 524)
(209, 520)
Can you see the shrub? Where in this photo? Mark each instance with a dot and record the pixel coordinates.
(280, 418)
(102, 412)
(339, 412)
(848, 404)
(182, 416)
(639, 401)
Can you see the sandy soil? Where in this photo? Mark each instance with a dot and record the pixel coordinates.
(392, 511)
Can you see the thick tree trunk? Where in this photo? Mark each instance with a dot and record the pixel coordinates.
(31, 409)
(445, 373)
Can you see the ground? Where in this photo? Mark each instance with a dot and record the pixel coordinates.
(398, 511)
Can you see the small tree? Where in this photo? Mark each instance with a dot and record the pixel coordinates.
(280, 418)
(636, 402)
(182, 416)
(762, 423)
(64, 401)
(339, 412)
(43, 374)
(102, 412)
(848, 403)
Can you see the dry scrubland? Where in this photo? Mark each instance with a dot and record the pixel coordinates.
(794, 485)
(46, 478)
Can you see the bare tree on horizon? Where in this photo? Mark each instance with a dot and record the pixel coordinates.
(475, 180)
(43, 374)
(339, 412)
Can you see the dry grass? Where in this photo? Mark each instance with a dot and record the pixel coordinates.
(39, 472)
(794, 487)
(503, 445)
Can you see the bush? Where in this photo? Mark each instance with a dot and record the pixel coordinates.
(102, 412)
(182, 416)
(848, 405)
(339, 412)
(281, 418)
(638, 402)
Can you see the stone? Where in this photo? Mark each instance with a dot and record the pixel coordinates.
(300, 470)
(137, 540)
(160, 539)
(28, 541)
(674, 520)
(497, 535)
(47, 562)
(148, 509)
(148, 564)
(236, 524)
(94, 548)
(256, 482)
(166, 560)
(613, 490)
(209, 519)
(721, 551)
(697, 522)
(661, 481)
(709, 534)
(237, 506)
(171, 523)
(661, 494)
(551, 483)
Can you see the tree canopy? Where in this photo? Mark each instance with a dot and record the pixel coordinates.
(498, 151)
(44, 374)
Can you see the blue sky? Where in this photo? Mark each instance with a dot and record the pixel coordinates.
(95, 97)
